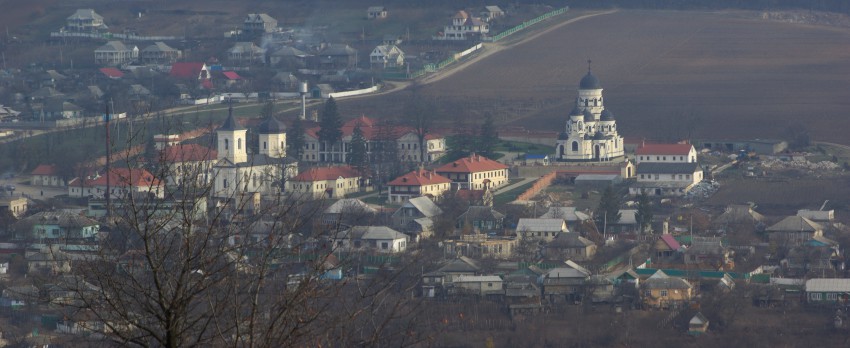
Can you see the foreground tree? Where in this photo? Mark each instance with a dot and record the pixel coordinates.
(419, 115)
(173, 274)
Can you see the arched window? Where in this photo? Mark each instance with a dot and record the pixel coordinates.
(226, 144)
(264, 145)
(239, 144)
(575, 146)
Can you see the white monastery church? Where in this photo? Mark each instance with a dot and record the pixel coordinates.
(591, 131)
(239, 172)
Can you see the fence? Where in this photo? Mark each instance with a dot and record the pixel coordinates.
(111, 36)
(539, 185)
(430, 68)
(527, 24)
(353, 93)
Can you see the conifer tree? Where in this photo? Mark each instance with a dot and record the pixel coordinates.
(488, 137)
(331, 125)
(295, 139)
(608, 211)
(644, 212)
(358, 157)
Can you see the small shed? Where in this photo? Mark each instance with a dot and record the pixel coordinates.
(597, 181)
(698, 325)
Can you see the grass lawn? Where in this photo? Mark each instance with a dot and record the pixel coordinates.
(517, 146)
(510, 195)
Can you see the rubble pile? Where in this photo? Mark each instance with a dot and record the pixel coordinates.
(703, 190)
(800, 164)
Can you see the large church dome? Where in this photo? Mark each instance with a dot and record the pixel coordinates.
(606, 115)
(588, 116)
(589, 81)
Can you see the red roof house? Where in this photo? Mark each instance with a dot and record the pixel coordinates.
(325, 182)
(417, 183)
(664, 149)
(190, 70)
(122, 182)
(475, 172)
(112, 73)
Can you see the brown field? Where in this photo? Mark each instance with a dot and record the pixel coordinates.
(783, 196)
(733, 74)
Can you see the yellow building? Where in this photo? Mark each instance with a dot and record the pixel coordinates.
(663, 291)
(325, 182)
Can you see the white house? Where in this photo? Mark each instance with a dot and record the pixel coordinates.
(665, 153)
(666, 169)
(259, 23)
(115, 53)
(123, 182)
(386, 56)
(464, 26)
(540, 229)
(85, 20)
(375, 238)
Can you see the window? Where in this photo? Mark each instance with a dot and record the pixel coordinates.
(385, 245)
(239, 144)
(264, 145)
(663, 293)
(224, 183)
(226, 144)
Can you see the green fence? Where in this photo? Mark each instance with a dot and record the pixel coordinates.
(681, 273)
(437, 67)
(528, 23)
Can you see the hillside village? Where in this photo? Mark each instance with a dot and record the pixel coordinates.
(591, 223)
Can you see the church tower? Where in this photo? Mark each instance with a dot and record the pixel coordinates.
(232, 140)
(272, 134)
(591, 131)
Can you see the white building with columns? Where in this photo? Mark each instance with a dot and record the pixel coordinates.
(238, 172)
(591, 130)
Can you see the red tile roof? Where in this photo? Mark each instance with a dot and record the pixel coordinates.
(370, 129)
(472, 164)
(670, 241)
(186, 70)
(122, 177)
(112, 73)
(326, 173)
(419, 177)
(664, 149)
(188, 153)
(231, 75)
(44, 169)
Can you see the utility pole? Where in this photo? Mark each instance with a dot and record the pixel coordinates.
(108, 159)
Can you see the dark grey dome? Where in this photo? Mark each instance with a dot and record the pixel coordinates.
(588, 116)
(598, 136)
(230, 123)
(606, 115)
(589, 82)
(563, 136)
(272, 126)
(576, 111)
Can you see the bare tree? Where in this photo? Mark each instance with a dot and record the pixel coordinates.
(188, 268)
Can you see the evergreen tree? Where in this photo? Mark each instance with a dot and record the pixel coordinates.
(331, 125)
(357, 157)
(295, 139)
(644, 212)
(461, 143)
(487, 138)
(608, 211)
